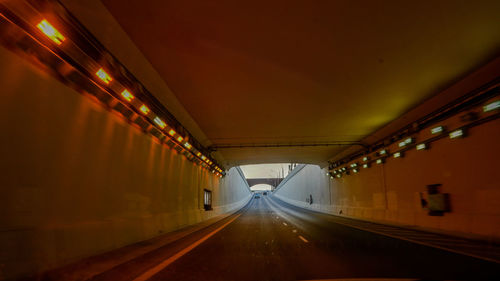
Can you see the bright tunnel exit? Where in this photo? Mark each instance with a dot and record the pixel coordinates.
(266, 176)
(261, 187)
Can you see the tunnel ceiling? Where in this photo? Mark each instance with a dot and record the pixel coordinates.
(286, 72)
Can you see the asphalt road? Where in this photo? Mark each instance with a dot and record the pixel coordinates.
(272, 240)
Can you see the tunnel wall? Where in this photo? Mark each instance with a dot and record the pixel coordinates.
(390, 193)
(78, 180)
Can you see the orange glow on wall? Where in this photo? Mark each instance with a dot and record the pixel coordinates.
(103, 76)
(144, 109)
(127, 95)
(51, 32)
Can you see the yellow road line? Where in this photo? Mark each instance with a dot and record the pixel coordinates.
(152, 271)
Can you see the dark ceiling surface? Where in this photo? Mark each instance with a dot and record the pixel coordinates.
(303, 72)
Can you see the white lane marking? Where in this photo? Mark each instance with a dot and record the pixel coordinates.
(303, 239)
(284, 224)
(152, 271)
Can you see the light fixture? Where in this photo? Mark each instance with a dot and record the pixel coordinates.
(343, 168)
(144, 109)
(338, 175)
(334, 171)
(457, 134)
(188, 145)
(437, 130)
(354, 165)
(492, 106)
(104, 76)
(380, 161)
(366, 158)
(203, 157)
(366, 165)
(179, 139)
(405, 142)
(382, 152)
(160, 122)
(355, 170)
(127, 95)
(198, 154)
(397, 154)
(51, 32)
(421, 146)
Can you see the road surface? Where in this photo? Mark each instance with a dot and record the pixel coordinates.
(271, 240)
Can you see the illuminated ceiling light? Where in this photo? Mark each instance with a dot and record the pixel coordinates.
(366, 165)
(338, 175)
(343, 169)
(179, 139)
(160, 122)
(437, 130)
(492, 106)
(331, 177)
(380, 161)
(187, 145)
(144, 109)
(382, 152)
(457, 134)
(203, 157)
(334, 171)
(355, 170)
(366, 158)
(51, 32)
(354, 165)
(172, 132)
(127, 95)
(397, 154)
(104, 76)
(198, 154)
(405, 142)
(421, 146)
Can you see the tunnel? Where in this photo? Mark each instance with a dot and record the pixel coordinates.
(249, 140)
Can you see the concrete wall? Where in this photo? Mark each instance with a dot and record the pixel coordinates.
(467, 169)
(77, 180)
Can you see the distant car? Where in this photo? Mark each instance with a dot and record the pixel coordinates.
(257, 196)
(265, 193)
